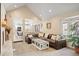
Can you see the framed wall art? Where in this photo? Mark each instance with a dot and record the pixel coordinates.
(48, 25)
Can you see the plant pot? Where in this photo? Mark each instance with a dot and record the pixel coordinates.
(77, 50)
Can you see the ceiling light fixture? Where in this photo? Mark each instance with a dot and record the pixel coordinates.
(50, 10)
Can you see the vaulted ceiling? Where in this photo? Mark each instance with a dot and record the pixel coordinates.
(45, 10)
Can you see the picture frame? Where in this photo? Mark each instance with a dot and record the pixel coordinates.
(48, 25)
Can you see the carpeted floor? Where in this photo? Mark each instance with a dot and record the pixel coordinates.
(24, 49)
(7, 49)
(28, 49)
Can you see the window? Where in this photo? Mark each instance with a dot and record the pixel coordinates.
(65, 27)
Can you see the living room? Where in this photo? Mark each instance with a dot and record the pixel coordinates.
(30, 26)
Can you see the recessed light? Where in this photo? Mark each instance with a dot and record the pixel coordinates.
(15, 6)
(40, 15)
(50, 10)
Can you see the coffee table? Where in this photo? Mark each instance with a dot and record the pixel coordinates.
(40, 44)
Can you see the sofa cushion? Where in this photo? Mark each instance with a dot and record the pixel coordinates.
(35, 35)
(53, 41)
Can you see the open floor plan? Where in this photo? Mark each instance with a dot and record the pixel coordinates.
(39, 29)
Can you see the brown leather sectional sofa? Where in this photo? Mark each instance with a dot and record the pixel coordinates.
(57, 44)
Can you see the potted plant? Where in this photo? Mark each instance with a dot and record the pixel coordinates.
(74, 36)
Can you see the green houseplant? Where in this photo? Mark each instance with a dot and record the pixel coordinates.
(74, 37)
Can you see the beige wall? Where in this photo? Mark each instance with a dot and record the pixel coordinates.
(56, 23)
(54, 26)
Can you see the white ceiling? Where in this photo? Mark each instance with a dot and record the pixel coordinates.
(42, 9)
(12, 6)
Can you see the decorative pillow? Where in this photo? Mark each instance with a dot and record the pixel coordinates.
(62, 37)
(49, 36)
(41, 34)
(53, 37)
(30, 36)
(58, 37)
